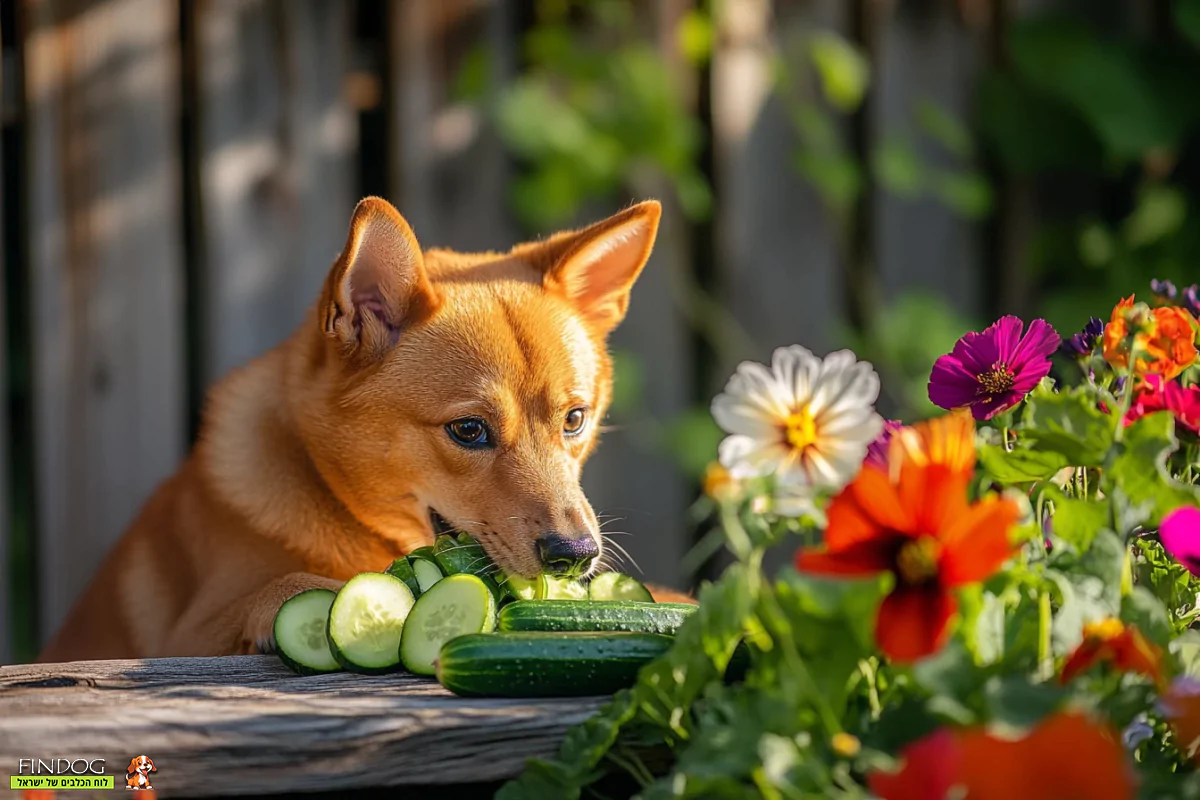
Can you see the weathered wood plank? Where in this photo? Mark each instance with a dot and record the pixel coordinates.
(276, 169)
(244, 725)
(106, 275)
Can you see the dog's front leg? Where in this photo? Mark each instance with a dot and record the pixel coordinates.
(258, 629)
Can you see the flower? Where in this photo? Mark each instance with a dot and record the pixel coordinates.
(1081, 345)
(806, 420)
(919, 526)
(1180, 536)
(1191, 299)
(1181, 707)
(717, 483)
(1164, 289)
(992, 371)
(1155, 394)
(1163, 337)
(845, 744)
(1111, 640)
(948, 440)
(877, 451)
(1066, 755)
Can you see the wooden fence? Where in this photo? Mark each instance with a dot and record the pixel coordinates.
(179, 175)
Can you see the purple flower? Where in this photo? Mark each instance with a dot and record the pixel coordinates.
(1164, 289)
(1081, 344)
(877, 451)
(991, 372)
(1180, 536)
(1191, 299)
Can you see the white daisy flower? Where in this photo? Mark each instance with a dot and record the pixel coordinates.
(805, 420)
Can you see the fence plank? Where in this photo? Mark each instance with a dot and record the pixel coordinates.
(105, 276)
(276, 170)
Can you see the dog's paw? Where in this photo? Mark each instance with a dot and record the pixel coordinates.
(258, 636)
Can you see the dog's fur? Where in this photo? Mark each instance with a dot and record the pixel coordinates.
(325, 457)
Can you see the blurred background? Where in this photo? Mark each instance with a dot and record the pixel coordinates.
(178, 176)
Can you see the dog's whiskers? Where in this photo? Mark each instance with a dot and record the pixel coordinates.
(625, 553)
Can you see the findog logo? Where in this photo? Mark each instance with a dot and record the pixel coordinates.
(137, 774)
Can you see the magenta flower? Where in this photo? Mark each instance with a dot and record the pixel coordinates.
(877, 451)
(991, 372)
(1180, 536)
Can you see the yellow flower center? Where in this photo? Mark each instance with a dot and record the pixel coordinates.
(997, 380)
(845, 745)
(1105, 629)
(917, 561)
(800, 429)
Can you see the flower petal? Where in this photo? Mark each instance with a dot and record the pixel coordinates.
(1180, 535)
(931, 765)
(795, 369)
(862, 558)
(879, 501)
(735, 414)
(756, 385)
(1005, 333)
(977, 543)
(951, 384)
(913, 622)
(844, 384)
(745, 457)
(1038, 343)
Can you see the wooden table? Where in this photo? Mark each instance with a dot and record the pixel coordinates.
(245, 725)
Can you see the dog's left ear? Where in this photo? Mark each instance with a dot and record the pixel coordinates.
(597, 266)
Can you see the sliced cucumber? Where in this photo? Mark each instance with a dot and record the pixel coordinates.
(585, 615)
(299, 631)
(565, 589)
(465, 556)
(546, 664)
(366, 621)
(425, 567)
(520, 588)
(457, 605)
(617, 586)
(401, 568)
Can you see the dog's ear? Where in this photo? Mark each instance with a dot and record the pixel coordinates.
(378, 285)
(132, 766)
(152, 767)
(597, 266)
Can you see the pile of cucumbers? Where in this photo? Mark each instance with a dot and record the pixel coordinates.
(446, 610)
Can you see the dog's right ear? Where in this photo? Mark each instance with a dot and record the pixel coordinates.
(132, 768)
(378, 286)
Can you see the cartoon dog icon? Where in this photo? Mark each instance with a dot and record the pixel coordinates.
(137, 774)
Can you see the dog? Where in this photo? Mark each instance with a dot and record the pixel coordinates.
(426, 391)
(138, 771)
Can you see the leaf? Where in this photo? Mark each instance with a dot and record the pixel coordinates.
(844, 71)
(1097, 576)
(695, 36)
(897, 168)
(969, 194)
(1013, 701)
(1139, 469)
(987, 641)
(1077, 522)
(1021, 465)
(1144, 610)
(1068, 423)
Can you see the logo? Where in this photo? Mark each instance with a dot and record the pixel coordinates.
(137, 774)
(60, 773)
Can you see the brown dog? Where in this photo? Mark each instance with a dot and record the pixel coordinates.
(424, 387)
(137, 774)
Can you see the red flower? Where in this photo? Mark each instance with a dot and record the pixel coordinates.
(978, 765)
(921, 528)
(1156, 394)
(1110, 640)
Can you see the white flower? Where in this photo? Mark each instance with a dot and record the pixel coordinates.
(805, 420)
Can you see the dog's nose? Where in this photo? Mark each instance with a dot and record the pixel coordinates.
(566, 556)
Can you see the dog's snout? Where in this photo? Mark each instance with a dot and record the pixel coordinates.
(566, 556)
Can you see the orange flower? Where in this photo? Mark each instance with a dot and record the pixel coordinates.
(948, 440)
(982, 766)
(1112, 641)
(1165, 337)
(919, 526)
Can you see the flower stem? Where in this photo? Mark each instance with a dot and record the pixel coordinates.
(1126, 396)
(1045, 618)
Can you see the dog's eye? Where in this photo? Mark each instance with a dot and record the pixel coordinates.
(469, 432)
(574, 422)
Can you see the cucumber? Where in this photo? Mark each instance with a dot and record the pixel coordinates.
(366, 621)
(401, 568)
(564, 589)
(617, 586)
(299, 632)
(425, 567)
(584, 615)
(542, 664)
(457, 605)
(519, 588)
(457, 557)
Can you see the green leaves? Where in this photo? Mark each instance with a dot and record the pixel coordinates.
(1070, 424)
(1021, 465)
(1138, 471)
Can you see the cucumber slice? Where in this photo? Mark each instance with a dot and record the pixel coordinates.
(366, 621)
(425, 567)
(565, 589)
(300, 633)
(618, 586)
(540, 664)
(457, 605)
(458, 558)
(402, 569)
(520, 588)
